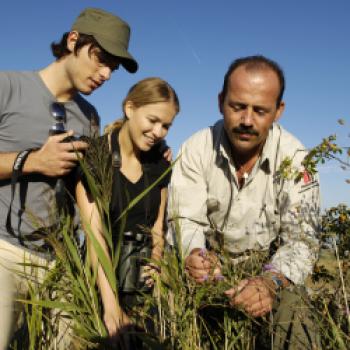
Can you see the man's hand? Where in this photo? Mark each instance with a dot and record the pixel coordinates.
(255, 295)
(203, 265)
(55, 158)
(165, 150)
(168, 154)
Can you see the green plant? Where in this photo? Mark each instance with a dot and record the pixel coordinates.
(179, 314)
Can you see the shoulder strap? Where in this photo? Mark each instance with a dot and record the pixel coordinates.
(116, 158)
(116, 164)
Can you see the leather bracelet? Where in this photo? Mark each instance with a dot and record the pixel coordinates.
(277, 281)
(20, 159)
(276, 278)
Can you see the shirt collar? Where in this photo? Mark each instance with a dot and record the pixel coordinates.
(265, 160)
(224, 144)
(268, 151)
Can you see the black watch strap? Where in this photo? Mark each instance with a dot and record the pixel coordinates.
(277, 281)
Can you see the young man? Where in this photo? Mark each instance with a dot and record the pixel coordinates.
(226, 194)
(32, 103)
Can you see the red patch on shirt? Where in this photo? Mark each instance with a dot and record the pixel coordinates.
(307, 177)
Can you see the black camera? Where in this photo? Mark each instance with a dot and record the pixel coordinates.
(135, 253)
(76, 138)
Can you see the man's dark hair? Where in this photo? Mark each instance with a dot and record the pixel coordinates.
(256, 62)
(59, 49)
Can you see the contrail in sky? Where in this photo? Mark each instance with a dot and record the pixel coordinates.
(188, 44)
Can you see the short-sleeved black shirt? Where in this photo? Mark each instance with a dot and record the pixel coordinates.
(144, 214)
(145, 211)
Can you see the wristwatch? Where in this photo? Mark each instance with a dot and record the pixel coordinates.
(277, 281)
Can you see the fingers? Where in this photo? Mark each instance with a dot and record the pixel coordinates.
(111, 328)
(67, 143)
(61, 137)
(74, 146)
(71, 156)
(260, 308)
(114, 321)
(65, 167)
(247, 295)
(57, 156)
(197, 262)
(217, 274)
(203, 265)
(149, 273)
(236, 290)
(253, 296)
(197, 266)
(168, 154)
(112, 324)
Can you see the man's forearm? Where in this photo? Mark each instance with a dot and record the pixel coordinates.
(6, 164)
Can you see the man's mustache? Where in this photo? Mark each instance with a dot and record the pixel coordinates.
(242, 130)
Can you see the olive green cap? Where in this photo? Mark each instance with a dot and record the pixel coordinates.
(110, 31)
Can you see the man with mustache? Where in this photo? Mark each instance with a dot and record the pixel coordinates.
(229, 199)
(31, 104)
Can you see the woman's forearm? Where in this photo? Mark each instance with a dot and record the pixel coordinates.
(92, 224)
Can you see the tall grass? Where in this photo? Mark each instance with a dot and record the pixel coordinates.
(179, 314)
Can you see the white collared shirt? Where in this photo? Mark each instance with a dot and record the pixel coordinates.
(205, 200)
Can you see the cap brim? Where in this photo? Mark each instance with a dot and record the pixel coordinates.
(127, 61)
(129, 64)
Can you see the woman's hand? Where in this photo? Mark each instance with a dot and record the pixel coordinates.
(152, 269)
(115, 319)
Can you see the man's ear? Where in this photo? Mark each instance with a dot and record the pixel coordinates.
(72, 40)
(220, 102)
(279, 111)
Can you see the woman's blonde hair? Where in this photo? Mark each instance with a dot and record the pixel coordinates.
(144, 92)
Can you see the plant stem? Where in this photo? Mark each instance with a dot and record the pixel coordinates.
(342, 283)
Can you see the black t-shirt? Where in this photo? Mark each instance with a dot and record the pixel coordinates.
(144, 213)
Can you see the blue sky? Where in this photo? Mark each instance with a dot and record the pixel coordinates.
(191, 43)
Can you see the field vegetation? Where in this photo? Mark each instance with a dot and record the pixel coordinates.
(178, 314)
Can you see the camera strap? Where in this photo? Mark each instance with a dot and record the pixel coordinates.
(116, 163)
(16, 174)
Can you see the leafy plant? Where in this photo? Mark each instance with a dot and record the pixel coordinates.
(179, 314)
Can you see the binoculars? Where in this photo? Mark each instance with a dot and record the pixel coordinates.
(135, 253)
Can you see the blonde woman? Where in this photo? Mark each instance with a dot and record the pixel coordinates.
(149, 110)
